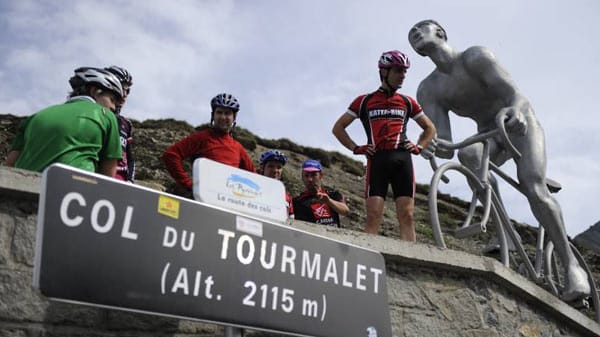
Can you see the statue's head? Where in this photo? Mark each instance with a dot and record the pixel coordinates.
(430, 28)
(441, 32)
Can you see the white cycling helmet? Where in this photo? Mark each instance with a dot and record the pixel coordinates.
(102, 78)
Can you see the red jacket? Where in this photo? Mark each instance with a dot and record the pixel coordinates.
(207, 143)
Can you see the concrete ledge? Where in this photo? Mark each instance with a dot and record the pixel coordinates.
(19, 183)
(460, 262)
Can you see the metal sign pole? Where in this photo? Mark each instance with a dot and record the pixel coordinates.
(233, 332)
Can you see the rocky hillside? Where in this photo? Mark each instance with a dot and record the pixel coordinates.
(342, 173)
(590, 239)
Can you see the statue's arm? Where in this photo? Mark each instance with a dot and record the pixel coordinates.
(435, 110)
(481, 63)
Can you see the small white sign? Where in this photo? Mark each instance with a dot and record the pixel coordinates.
(249, 226)
(233, 188)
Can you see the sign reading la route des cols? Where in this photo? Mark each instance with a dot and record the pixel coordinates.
(112, 244)
(238, 190)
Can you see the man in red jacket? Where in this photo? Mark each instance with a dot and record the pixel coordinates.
(214, 143)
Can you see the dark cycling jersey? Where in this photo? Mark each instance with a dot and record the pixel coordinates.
(384, 117)
(126, 165)
(308, 208)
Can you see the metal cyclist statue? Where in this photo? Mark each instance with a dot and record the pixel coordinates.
(472, 84)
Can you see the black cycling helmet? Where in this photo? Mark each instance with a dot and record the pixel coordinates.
(99, 77)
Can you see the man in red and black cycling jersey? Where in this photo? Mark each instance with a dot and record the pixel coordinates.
(384, 115)
(214, 143)
(316, 204)
(125, 166)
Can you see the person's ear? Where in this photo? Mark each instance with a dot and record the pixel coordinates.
(93, 91)
(384, 72)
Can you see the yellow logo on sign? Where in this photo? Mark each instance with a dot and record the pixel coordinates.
(168, 206)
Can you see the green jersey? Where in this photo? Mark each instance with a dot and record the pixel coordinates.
(78, 133)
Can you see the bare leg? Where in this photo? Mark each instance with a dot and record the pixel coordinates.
(405, 208)
(531, 171)
(374, 214)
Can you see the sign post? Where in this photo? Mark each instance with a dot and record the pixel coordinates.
(233, 332)
(107, 243)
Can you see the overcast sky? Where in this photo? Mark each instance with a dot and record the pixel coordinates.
(296, 65)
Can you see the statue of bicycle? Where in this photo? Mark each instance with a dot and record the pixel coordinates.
(543, 268)
(472, 84)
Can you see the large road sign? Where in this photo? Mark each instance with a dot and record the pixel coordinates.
(107, 243)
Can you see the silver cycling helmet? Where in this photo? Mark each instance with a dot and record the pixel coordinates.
(102, 78)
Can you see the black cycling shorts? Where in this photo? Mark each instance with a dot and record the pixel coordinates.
(390, 167)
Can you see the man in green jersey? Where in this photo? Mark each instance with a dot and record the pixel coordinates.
(82, 132)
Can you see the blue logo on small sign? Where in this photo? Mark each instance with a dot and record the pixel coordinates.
(243, 187)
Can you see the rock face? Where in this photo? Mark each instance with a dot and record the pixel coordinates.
(342, 173)
(590, 239)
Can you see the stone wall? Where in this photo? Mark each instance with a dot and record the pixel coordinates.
(432, 292)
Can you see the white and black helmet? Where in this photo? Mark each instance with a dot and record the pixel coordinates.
(100, 77)
(121, 73)
(226, 101)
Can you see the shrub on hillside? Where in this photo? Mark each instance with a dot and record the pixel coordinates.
(167, 124)
(348, 164)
